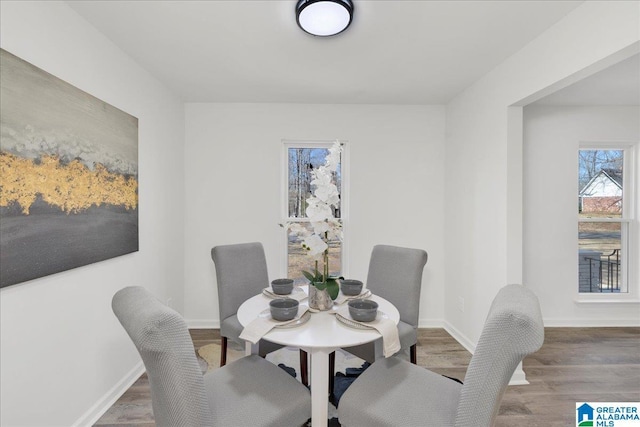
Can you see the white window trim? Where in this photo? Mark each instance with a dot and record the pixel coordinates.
(344, 196)
(631, 239)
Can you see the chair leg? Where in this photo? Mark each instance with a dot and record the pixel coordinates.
(304, 373)
(332, 371)
(223, 352)
(414, 354)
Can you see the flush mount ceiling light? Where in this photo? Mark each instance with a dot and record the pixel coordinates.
(324, 17)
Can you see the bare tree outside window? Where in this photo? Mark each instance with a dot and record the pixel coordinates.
(301, 161)
(299, 180)
(591, 162)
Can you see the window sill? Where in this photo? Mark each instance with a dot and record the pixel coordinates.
(607, 300)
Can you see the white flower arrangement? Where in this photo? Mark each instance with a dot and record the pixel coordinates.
(324, 225)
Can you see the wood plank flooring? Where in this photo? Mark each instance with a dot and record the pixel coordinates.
(573, 365)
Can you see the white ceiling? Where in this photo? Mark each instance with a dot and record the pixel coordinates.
(395, 52)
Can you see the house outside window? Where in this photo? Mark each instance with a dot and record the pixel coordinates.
(606, 209)
(300, 159)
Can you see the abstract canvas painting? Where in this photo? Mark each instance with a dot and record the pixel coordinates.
(68, 175)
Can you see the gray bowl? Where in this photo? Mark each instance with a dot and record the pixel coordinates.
(363, 310)
(283, 308)
(350, 287)
(282, 286)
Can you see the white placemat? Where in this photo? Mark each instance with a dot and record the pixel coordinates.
(297, 294)
(382, 323)
(342, 298)
(261, 325)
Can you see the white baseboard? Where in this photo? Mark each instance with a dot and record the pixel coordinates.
(464, 341)
(518, 377)
(590, 323)
(460, 337)
(215, 324)
(203, 323)
(94, 413)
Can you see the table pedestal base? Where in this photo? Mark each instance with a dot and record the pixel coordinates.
(319, 386)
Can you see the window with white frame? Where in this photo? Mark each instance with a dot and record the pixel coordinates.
(300, 159)
(606, 209)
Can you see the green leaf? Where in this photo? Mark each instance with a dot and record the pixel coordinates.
(321, 286)
(332, 287)
(310, 277)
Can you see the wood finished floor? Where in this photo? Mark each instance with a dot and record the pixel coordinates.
(573, 365)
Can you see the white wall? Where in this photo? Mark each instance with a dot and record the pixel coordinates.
(233, 178)
(483, 202)
(62, 349)
(551, 139)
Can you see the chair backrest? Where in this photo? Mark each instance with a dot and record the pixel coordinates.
(241, 272)
(395, 274)
(161, 336)
(513, 330)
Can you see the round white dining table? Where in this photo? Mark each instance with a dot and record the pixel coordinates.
(319, 337)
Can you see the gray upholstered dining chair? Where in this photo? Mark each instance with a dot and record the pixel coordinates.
(241, 273)
(248, 392)
(394, 392)
(395, 274)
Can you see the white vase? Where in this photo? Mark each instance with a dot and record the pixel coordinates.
(319, 300)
